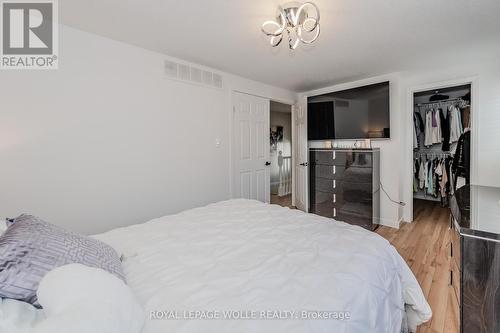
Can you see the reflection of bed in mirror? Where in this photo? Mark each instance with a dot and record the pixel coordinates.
(344, 184)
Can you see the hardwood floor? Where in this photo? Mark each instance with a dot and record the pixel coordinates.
(424, 244)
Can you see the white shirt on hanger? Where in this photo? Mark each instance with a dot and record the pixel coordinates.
(455, 126)
(428, 128)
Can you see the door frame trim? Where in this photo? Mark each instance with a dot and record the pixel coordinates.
(231, 137)
(233, 169)
(408, 121)
(301, 103)
(294, 153)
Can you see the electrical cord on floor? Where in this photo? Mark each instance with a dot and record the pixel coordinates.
(401, 203)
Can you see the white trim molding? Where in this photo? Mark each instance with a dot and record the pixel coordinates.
(408, 125)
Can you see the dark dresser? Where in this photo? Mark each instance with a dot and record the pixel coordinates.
(475, 252)
(344, 185)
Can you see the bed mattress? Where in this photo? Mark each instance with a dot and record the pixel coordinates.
(246, 266)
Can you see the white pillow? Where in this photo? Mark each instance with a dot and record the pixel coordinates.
(83, 299)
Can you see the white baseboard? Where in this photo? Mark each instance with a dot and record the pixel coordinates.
(391, 223)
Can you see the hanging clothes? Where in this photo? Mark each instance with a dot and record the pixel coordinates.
(439, 125)
(418, 130)
(422, 175)
(415, 177)
(433, 177)
(444, 180)
(445, 129)
(436, 127)
(420, 121)
(415, 138)
(426, 175)
(465, 115)
(461, 161)
(428, 129)
(449, 186)
(436, 172)
(432, 127)
(459, 116)
(455, 123)
(430, 177)
(442, 176)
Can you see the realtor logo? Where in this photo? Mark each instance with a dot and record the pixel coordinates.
(29, 34)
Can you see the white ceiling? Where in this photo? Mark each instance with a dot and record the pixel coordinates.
(359, 38)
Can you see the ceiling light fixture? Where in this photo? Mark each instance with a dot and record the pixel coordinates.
(299, 21)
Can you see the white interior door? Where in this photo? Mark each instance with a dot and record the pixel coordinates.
(302, 157)
(251, 145)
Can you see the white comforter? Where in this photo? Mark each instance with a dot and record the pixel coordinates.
(245, 256)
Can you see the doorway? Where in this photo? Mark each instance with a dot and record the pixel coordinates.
(250, 148)
(261, 150)
(281, 185)
(442, 120)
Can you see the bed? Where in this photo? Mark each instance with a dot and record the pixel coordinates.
(240, 257)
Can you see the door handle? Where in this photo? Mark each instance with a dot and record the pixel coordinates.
(304, 164)
(268, 163)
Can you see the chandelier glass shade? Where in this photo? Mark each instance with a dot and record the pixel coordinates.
(300, 22)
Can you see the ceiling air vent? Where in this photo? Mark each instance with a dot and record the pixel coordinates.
(208, 78)
(217, 81)
(195, 75)
(192, 74)
(184, 72)
(171, 69)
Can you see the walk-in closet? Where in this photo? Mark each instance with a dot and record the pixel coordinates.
(441, 144)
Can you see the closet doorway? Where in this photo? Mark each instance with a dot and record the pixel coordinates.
(442, 122)
(281, 154)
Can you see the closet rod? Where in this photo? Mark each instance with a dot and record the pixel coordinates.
(441, 102)
(433, 154)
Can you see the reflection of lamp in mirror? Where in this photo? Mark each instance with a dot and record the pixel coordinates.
(378, 133)
(299, 21)
(375, 134)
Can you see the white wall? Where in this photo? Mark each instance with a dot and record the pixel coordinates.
(107, 141)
